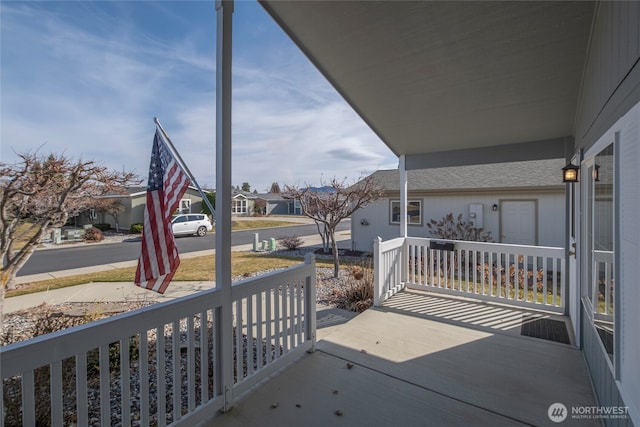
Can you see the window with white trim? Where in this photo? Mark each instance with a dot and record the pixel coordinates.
(414, 212)
(185, 206)
(239, 206)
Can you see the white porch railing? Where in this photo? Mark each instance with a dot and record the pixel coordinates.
(164, 364)
(603, 283)
(532, 276)
(388, 261)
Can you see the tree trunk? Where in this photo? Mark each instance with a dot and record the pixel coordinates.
(322, 236)
(15, 261)
(2, 284)
(11, 271)
(334, 252)
(327, 238)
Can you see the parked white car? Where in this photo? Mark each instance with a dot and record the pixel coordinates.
(197, 224)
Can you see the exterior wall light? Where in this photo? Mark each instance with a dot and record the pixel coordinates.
(570, 173)
(596, 172)
(494, 207)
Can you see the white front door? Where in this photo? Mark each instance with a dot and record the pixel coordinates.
(518, 222)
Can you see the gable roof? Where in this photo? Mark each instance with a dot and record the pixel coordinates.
(514, 175)
(246, 194)
(271, 197)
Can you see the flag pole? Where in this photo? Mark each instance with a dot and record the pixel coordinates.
(184, 166)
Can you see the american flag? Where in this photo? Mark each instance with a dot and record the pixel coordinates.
(167, 183)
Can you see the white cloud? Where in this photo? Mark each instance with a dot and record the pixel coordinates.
(93, 94)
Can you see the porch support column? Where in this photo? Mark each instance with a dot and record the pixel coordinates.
(224, 323)
(404, 265)
(403, 197)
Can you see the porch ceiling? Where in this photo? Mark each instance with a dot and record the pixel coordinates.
(438, 77)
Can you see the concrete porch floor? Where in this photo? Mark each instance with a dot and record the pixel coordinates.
(411, 363)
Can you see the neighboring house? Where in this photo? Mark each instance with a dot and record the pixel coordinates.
(134, 201)
(242, 203)
(276, 204)
(519, 202)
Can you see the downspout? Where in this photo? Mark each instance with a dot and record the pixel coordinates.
(224, 323)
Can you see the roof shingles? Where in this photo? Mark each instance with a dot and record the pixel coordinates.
(538, 173)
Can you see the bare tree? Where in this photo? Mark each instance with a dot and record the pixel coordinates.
(110, 206)
(260, 207)
(40, 192)
(328, 208)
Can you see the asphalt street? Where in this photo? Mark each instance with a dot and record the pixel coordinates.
(43, 261)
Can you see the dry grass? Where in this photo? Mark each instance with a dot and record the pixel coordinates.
(191, 269)
(23, 235)
(249, 224)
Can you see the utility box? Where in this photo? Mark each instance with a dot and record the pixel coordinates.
(256, 242)
(56, 236)
(475, 215)
(272, 244)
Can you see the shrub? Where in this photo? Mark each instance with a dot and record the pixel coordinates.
(358, 294)
(93, 235)
(136, 228)
(457, 229)
(290, 242)
(102, 226)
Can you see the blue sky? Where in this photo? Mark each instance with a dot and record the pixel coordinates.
(86, 79)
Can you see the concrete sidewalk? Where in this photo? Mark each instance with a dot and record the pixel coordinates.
(97, 292)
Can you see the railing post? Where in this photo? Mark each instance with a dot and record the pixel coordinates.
(310, 299)
(404, 260)
(377, 272)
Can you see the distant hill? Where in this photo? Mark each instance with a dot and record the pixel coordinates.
(325, 189)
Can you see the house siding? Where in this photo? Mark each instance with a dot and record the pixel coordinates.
(623, 377)
(550, 215)
(611, 79)
(137, 210)
(611, 91)
(278, 208)
(629, 249)
(605, 386)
